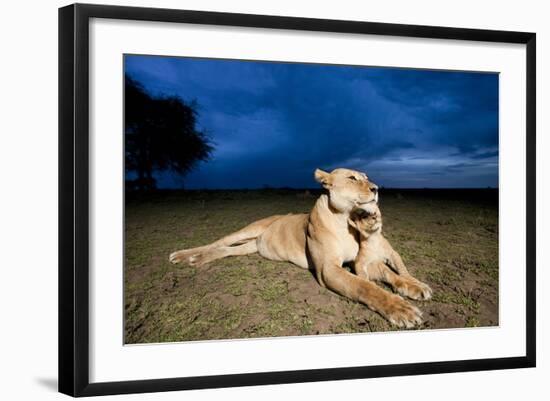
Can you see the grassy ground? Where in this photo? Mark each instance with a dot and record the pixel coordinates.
(449, 239)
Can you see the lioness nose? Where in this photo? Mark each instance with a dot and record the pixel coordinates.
(374, 188)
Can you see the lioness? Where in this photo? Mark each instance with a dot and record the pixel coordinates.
(375, 261)
(322, 240)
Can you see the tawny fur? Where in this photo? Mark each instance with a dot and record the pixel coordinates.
(322, 241)
(378, 261)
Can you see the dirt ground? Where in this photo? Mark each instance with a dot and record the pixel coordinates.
(449, 239)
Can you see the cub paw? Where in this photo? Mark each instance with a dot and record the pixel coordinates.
(415, 290)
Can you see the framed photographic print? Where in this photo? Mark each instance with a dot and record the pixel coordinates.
(250, 199)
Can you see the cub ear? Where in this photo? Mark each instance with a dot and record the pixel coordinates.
(323, 178)
(353, 224)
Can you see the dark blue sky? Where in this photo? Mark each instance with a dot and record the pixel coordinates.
(274, 123)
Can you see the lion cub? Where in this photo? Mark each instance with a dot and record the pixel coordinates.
(378, 261)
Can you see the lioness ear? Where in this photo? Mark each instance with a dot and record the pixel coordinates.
(323, 178)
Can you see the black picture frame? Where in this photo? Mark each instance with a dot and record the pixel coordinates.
(74, 198)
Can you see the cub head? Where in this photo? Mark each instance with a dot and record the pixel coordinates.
(348, 189)
(366, 220)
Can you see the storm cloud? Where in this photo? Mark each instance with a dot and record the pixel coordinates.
(274, 123)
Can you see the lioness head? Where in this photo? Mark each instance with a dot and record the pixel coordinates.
(348, 189)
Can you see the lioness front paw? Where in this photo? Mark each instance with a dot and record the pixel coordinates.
(415, 289)
(402, 314)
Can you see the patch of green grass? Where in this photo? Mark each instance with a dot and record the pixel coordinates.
(458, 299)
(472, 321)
(306, 325)
(441, 276)
(235, 279)
(452, 244)
(273, 291)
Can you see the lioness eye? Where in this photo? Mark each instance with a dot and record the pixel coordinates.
(351, 177)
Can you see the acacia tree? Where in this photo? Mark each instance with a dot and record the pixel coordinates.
(160, 135)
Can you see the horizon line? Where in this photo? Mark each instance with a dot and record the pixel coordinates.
(317, 189)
